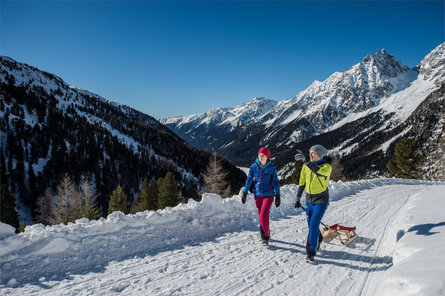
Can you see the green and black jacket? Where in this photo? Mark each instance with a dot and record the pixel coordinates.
(314, 179)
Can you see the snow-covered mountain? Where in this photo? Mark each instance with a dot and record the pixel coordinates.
(365, 140)
(357, 89)
(321, 104)
(380, 83)
(49, 128)
(218, 121)
(212, 247)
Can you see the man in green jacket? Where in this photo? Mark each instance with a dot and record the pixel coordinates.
(314, 179)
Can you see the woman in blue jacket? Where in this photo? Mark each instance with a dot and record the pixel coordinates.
(264, 173)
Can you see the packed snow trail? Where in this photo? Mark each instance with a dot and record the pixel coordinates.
(235, 262)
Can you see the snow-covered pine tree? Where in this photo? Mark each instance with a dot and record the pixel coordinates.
(8, 214)
(168, 192)
(406, 161)
(141, 203)
(214, 178)
(294, 178)
(118, 201)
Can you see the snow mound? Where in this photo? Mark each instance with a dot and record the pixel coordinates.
(6, 230)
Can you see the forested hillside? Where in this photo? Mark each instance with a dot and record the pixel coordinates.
(49, 129)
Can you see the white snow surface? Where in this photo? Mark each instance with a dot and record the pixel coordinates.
(212, 247)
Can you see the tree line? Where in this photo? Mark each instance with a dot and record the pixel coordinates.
(73, 201)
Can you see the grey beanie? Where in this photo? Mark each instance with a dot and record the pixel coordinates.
(321, 151)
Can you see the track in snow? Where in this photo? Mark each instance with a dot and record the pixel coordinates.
(237, 264)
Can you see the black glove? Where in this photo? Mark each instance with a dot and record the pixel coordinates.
(297, 204)
(277, 200)
(244, 197)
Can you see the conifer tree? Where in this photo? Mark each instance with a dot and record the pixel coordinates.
(141, 203)
(158, 185)
(88, 197)
(153, 195)
(3, 167)
(337, 169)
(8, 214)
(32, 186)
(22, 226)
(214, 178)
(43, 208)
(168, 192)
(19, 174)
(406, 161)
(118, 201)
(294, 178)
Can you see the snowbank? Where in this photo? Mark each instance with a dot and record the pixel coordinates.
(419, 264)
(6, 230)
(89, 246)
(152, 231)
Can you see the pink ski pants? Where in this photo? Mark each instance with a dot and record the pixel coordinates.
(263, 205)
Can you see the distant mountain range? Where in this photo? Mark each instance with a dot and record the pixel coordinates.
(358, 114)
(49, 128)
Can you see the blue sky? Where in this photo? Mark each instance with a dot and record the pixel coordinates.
(178, 58)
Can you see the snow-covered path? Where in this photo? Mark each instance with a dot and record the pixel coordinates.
(235, 263)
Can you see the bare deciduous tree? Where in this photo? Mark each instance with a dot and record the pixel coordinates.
(67, 207)
(215, 176)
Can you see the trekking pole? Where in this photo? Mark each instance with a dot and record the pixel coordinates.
(325, 226)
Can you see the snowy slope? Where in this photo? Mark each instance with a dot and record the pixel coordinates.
(212, 248)
(68, 96)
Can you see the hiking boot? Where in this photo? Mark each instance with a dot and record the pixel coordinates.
(265, 242)
(263, 234)
(310, 258)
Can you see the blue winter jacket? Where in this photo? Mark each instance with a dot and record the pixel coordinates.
(266, 179)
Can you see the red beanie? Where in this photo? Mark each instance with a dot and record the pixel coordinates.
(265, 151)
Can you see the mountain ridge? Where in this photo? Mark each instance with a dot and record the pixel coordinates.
(332, 93)
(379, 84)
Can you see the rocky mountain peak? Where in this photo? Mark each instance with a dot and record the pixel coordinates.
(432, 67)
(258, 105)
(384, 63)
